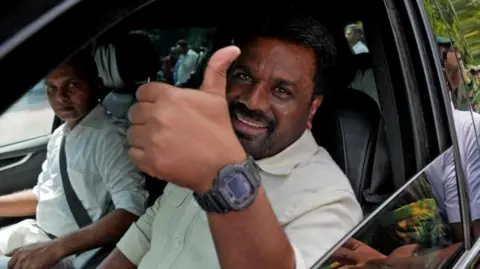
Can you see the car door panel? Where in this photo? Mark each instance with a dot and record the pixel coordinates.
(20, 165)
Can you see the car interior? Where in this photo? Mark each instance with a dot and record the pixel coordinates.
(348, 123)
(360, 131)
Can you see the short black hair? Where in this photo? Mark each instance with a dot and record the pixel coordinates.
(182, 43)
(355, 28)
(293, 25)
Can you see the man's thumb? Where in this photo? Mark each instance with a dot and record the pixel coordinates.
(215, 78)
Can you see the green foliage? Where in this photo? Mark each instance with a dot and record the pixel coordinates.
(460, 20)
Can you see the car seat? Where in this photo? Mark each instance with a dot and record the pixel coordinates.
(124, 64)
(348, 125)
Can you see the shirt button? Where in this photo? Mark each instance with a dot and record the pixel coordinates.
(177, 241)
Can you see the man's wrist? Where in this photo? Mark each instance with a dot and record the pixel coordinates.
(61, 248)
(207, 183)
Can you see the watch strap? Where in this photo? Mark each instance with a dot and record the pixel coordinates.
(212, 200)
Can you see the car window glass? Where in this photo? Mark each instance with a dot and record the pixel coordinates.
(411, 230)
(166, 42)
(449, 21)
(30, 117)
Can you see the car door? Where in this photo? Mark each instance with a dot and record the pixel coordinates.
(449, 22)
(26, 127)
(419, 226)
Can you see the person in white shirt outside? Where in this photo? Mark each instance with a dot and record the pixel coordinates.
(354, 35)
(467, 128)
(288, 205)
(109, 187)
(186, 63)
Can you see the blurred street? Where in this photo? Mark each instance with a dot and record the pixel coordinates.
(29, 118)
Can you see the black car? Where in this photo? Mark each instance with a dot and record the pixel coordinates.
(386, 126)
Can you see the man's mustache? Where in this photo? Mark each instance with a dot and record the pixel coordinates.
(256, 115)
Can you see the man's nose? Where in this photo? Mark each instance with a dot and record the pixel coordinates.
(61, 95)
(258, 98)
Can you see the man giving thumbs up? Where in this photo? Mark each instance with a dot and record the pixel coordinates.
(248, 185)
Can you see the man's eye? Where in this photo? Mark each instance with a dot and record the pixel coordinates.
(282, 92)
(72, 85)
(243, 76)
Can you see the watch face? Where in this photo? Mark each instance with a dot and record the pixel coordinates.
(238, 187)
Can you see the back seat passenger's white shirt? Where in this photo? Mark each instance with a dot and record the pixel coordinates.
(99, 169)
(311, 197)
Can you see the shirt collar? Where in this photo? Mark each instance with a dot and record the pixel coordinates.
(284, 162)
(92, 116)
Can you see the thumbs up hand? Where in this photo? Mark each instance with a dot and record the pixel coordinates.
(185, 136)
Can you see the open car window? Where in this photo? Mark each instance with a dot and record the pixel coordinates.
(29, 118)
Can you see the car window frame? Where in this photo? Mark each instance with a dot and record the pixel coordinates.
(75, 36)
(438, 103)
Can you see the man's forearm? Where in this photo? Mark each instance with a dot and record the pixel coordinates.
(107, 230)
(20, 204)
(252, 238)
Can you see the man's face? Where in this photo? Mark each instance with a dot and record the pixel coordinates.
(452, 68)
(351, 36)
(270, 92)
(69, 94)
(181, 49)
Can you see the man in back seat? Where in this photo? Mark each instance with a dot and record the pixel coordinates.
(108, 188)
(304, 203)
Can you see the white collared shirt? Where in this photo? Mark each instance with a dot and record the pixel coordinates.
(360, 47)
(442, 174)
(99, 169)
(188, 65)
(311, 197)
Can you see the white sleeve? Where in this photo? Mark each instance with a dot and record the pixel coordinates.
(46, 163)
(136, 241)
(327, 218)
(472, 163)
(123, 180)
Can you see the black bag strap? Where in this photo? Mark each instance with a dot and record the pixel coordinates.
(76, 207)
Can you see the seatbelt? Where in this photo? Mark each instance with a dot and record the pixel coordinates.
(79, 212)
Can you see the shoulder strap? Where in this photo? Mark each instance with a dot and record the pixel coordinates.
(76, 207)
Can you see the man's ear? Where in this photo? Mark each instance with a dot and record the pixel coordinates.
(317, 101)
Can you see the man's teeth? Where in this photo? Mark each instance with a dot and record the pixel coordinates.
(249, 123)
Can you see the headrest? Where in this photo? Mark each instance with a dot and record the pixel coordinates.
(106, 60)
(126, 61)
(137, 58)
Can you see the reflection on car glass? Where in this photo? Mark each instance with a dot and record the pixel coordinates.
(31, 117)
(419, 227)
(356, 38)
(364, 80)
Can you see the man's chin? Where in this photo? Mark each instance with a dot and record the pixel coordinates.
(68, 117)
(255, 147)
